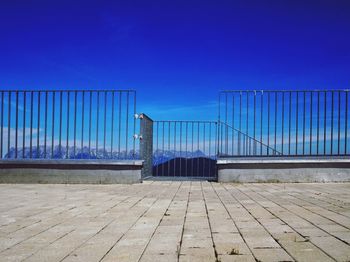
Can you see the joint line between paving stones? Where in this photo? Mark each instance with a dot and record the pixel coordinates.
(239, 231)
(321, 200)
(41, 220)
(322, 208)
(120, 202)
(301, 218)
(172, 199)
(210, 228)
(157, 198)
(138, 201)
(281, 245)
(312, 222)
(183, 224)
(63, 221)
(65, 234)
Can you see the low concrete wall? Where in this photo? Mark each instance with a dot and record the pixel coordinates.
(284, 170)
(70, 171)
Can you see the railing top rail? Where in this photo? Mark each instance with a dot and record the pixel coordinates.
(68, 90)
(185, 121)
(284, 90)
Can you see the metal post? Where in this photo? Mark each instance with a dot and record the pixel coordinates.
(68, 114)
(45, 131)
(53, 124)
(82, 122)
(16, 137)
(24, 126)
(332, 121)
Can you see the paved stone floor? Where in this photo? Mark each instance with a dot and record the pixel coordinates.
(171, 221)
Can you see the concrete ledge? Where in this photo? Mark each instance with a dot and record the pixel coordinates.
(296, 169)
(71, 171)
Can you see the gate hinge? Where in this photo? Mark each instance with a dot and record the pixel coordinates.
(136, 136)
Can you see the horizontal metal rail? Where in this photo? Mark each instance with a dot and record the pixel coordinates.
(68, 124)
(247, 144)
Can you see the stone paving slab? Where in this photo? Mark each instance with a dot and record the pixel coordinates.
(175, 221)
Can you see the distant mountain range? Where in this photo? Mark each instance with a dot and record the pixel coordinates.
(159, 156)
(186, 167)
(61, 153)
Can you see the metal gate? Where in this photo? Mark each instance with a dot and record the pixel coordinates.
(184, 148)
(180, 148)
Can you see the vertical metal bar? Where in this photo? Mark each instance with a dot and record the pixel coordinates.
(31, 125)
(318, 121)
(119, 122)
(82, 121)
(346, 123)
(204, 151)
(297, 124)
(60, 127)
(210, 147)
(68, 114)
(90, 118)
(254, 151)
(186, 173)
(290, 121)
(220, 128)
(247, 123)
(75, 123)
(9, 126)
(332, 121)
(45, 135)
(105, 122)
(16, 138)
(112, 127)
(268, 123)
(38, 131)
(2, 123)
(233, 123)
(275, 146)
(53, 123)
(198, 148)
(24, 125)
(240, 123)
(133, 145)
(325, 123)
(339, 98)
(226, 129)
(282, 150)
(174, 148)
(157, 151)
(163, 146)
(127, 122)
(311, 118)
(261, 120)
(192, 167)
(304, 116)
(169, 126)
(97, 121)
(180, 147)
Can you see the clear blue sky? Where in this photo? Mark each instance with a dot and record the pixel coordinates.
(176, 54)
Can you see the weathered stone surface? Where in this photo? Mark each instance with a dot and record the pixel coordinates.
(175, 221)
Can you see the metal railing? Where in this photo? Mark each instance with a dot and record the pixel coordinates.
(68, 124)
(190, 142)
(287, 123)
